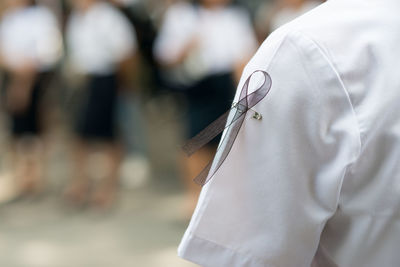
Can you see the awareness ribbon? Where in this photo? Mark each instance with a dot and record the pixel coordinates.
(237, 113)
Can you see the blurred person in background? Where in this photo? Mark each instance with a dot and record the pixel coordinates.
(138, 14)
(272, 15)
(204, 46)
(130, 102)
(101, 45)
(30, 46)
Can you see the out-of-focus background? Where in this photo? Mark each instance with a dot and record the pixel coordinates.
(96, 99)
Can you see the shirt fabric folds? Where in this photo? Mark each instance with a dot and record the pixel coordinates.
(316, 182)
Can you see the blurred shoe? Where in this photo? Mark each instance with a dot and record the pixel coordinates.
(135, 171)
(105, 195)
(78, 192)
(8, 189)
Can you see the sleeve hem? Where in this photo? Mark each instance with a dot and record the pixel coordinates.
(209, 254)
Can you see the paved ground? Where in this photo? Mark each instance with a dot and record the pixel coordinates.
(143, 230)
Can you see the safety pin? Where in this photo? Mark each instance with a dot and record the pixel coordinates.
(256, 115)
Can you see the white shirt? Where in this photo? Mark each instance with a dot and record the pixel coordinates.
(318, 179)
(99, 39)
(225, 38)
(30, 36)
(127, 2)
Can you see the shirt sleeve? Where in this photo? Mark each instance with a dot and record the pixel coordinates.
(269, 201)
(48, 45)
(177, 30)
(120, 35)
(245, 43)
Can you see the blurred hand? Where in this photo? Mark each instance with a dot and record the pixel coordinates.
(19, 92)
(190, 47)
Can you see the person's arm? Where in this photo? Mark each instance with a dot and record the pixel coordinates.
(269, 201)
(177, 37)
(128, 71)
(245, 42)
(121, 41)
(48, 47)
(19, 88)
(189, 47)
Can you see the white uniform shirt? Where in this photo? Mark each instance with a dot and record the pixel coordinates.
(318, 179)
(127, 2)
(30, 36)
(225, 38)
(99, 39)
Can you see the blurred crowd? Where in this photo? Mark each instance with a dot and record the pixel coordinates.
(85, 69)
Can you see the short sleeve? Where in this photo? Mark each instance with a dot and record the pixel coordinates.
(269, 201)
(48, 48)
(122, 43)
(177, 30)
(245, 42)
(30, 36)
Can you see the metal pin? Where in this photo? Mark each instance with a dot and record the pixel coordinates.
(257, 116)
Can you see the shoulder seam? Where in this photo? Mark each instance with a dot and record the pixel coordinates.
(325, 57)
(354, 114)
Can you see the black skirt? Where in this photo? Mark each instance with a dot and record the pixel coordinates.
(207, 100)
(97, 117)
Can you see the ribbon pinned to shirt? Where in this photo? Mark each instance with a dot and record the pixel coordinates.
(236, 116)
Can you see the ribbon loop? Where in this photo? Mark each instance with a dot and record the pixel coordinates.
(237, 113)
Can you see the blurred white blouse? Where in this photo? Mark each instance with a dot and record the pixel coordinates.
(286, 15)
(224, 36)
(30, 36)
(99, 39)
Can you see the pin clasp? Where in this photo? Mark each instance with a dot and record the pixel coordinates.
(257, 116)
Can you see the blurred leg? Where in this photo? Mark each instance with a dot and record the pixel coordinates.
(107, 188)
(77, 192)
(28, 157)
